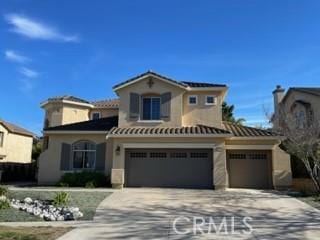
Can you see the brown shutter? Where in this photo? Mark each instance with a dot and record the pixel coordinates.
(134, 106)
(165, 106)
(65, 159)
(101, 156)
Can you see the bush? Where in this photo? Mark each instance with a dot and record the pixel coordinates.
(80, 179)
(61, 198)
(4, 203)
(3, 191)
(90, 184)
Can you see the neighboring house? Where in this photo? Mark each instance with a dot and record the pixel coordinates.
(15, 143)
(300, 104)
(165, 133)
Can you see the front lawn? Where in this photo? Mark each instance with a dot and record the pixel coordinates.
(32, 233)
(313, 200)
(86, 201)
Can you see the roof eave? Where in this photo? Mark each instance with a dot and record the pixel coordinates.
(48, 132)
(207, 89)
(145, 76)
(43, 104)
(169, 135)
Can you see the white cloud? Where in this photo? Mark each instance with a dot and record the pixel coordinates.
(26, 86)
(36, 30)
(15, 57)
(27, 72)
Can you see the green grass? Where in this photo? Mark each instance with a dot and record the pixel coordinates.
(32, 233)
(86, 201)
(313, 200)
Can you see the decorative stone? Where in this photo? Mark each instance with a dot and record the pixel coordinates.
(28, 200)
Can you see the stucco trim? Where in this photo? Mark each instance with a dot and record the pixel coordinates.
(146, 76)
(67, 102)
(250, 147)
(169, 145)
(279, 138)
(75, 132)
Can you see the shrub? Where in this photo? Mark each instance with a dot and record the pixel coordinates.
(80, 179)
(90, 184)
(62, 184)
(3, 191)
(61, 198)
(4, 203)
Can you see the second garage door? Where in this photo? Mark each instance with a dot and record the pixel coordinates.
(181, 168)
(249, 169)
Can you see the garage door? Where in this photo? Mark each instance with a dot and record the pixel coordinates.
(180, 168)
(249, 169)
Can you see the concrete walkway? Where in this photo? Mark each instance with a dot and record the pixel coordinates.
(151, 213)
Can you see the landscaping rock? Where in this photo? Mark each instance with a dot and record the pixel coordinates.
(47, 211)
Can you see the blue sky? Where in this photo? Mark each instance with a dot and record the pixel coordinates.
(83, 48)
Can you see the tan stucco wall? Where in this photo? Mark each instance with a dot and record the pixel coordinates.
(49, 160)
(210, 115)
(16, 148)
(105, 112)
(159, 87)
(282, 175)
(219, 157)
(60, 114)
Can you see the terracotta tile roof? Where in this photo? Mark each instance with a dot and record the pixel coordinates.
(67, 97)
(16, 129)
(199, 84)
(199, 129)
(107, 103)
(102, 124)
(181, 83)
(245, 131)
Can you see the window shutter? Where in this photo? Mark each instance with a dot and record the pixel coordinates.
(101, 156)
(166, 106)
(65, 159)
(134, 106)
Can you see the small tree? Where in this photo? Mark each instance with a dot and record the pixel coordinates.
(227, 114)
(302, 141)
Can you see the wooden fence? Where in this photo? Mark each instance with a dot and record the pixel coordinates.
(15, 172)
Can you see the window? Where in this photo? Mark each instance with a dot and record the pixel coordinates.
(138, 155)
(210, 100)
(192, 100)
(1, 138)
(179, 155)
(158, 155)
(84, 155)
(151, 108)
(199, 155)
(45, 144)
(301, 119)
(95, 116)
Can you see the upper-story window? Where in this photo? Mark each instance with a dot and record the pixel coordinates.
(193, 100)
(1, 138)
(84, 155)
(210, 100)
(151, 108)
(95, 115)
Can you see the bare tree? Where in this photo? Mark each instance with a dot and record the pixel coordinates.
(302, 140)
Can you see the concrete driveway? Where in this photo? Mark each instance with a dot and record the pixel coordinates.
(200, 214)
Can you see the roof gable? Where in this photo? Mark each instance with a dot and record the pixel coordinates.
(146, 75)
(12, 128)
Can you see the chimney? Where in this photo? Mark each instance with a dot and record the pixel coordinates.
(278, 95)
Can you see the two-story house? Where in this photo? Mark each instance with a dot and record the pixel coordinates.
(15, 143)
(300, 106)
(160, 133)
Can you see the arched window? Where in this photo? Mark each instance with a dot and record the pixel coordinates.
(84, 154)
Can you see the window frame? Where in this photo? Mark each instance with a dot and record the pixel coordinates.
(214, 100)
(142, 108)
(1, 139)
(83, 155)
(95, 113)
(193, 96)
